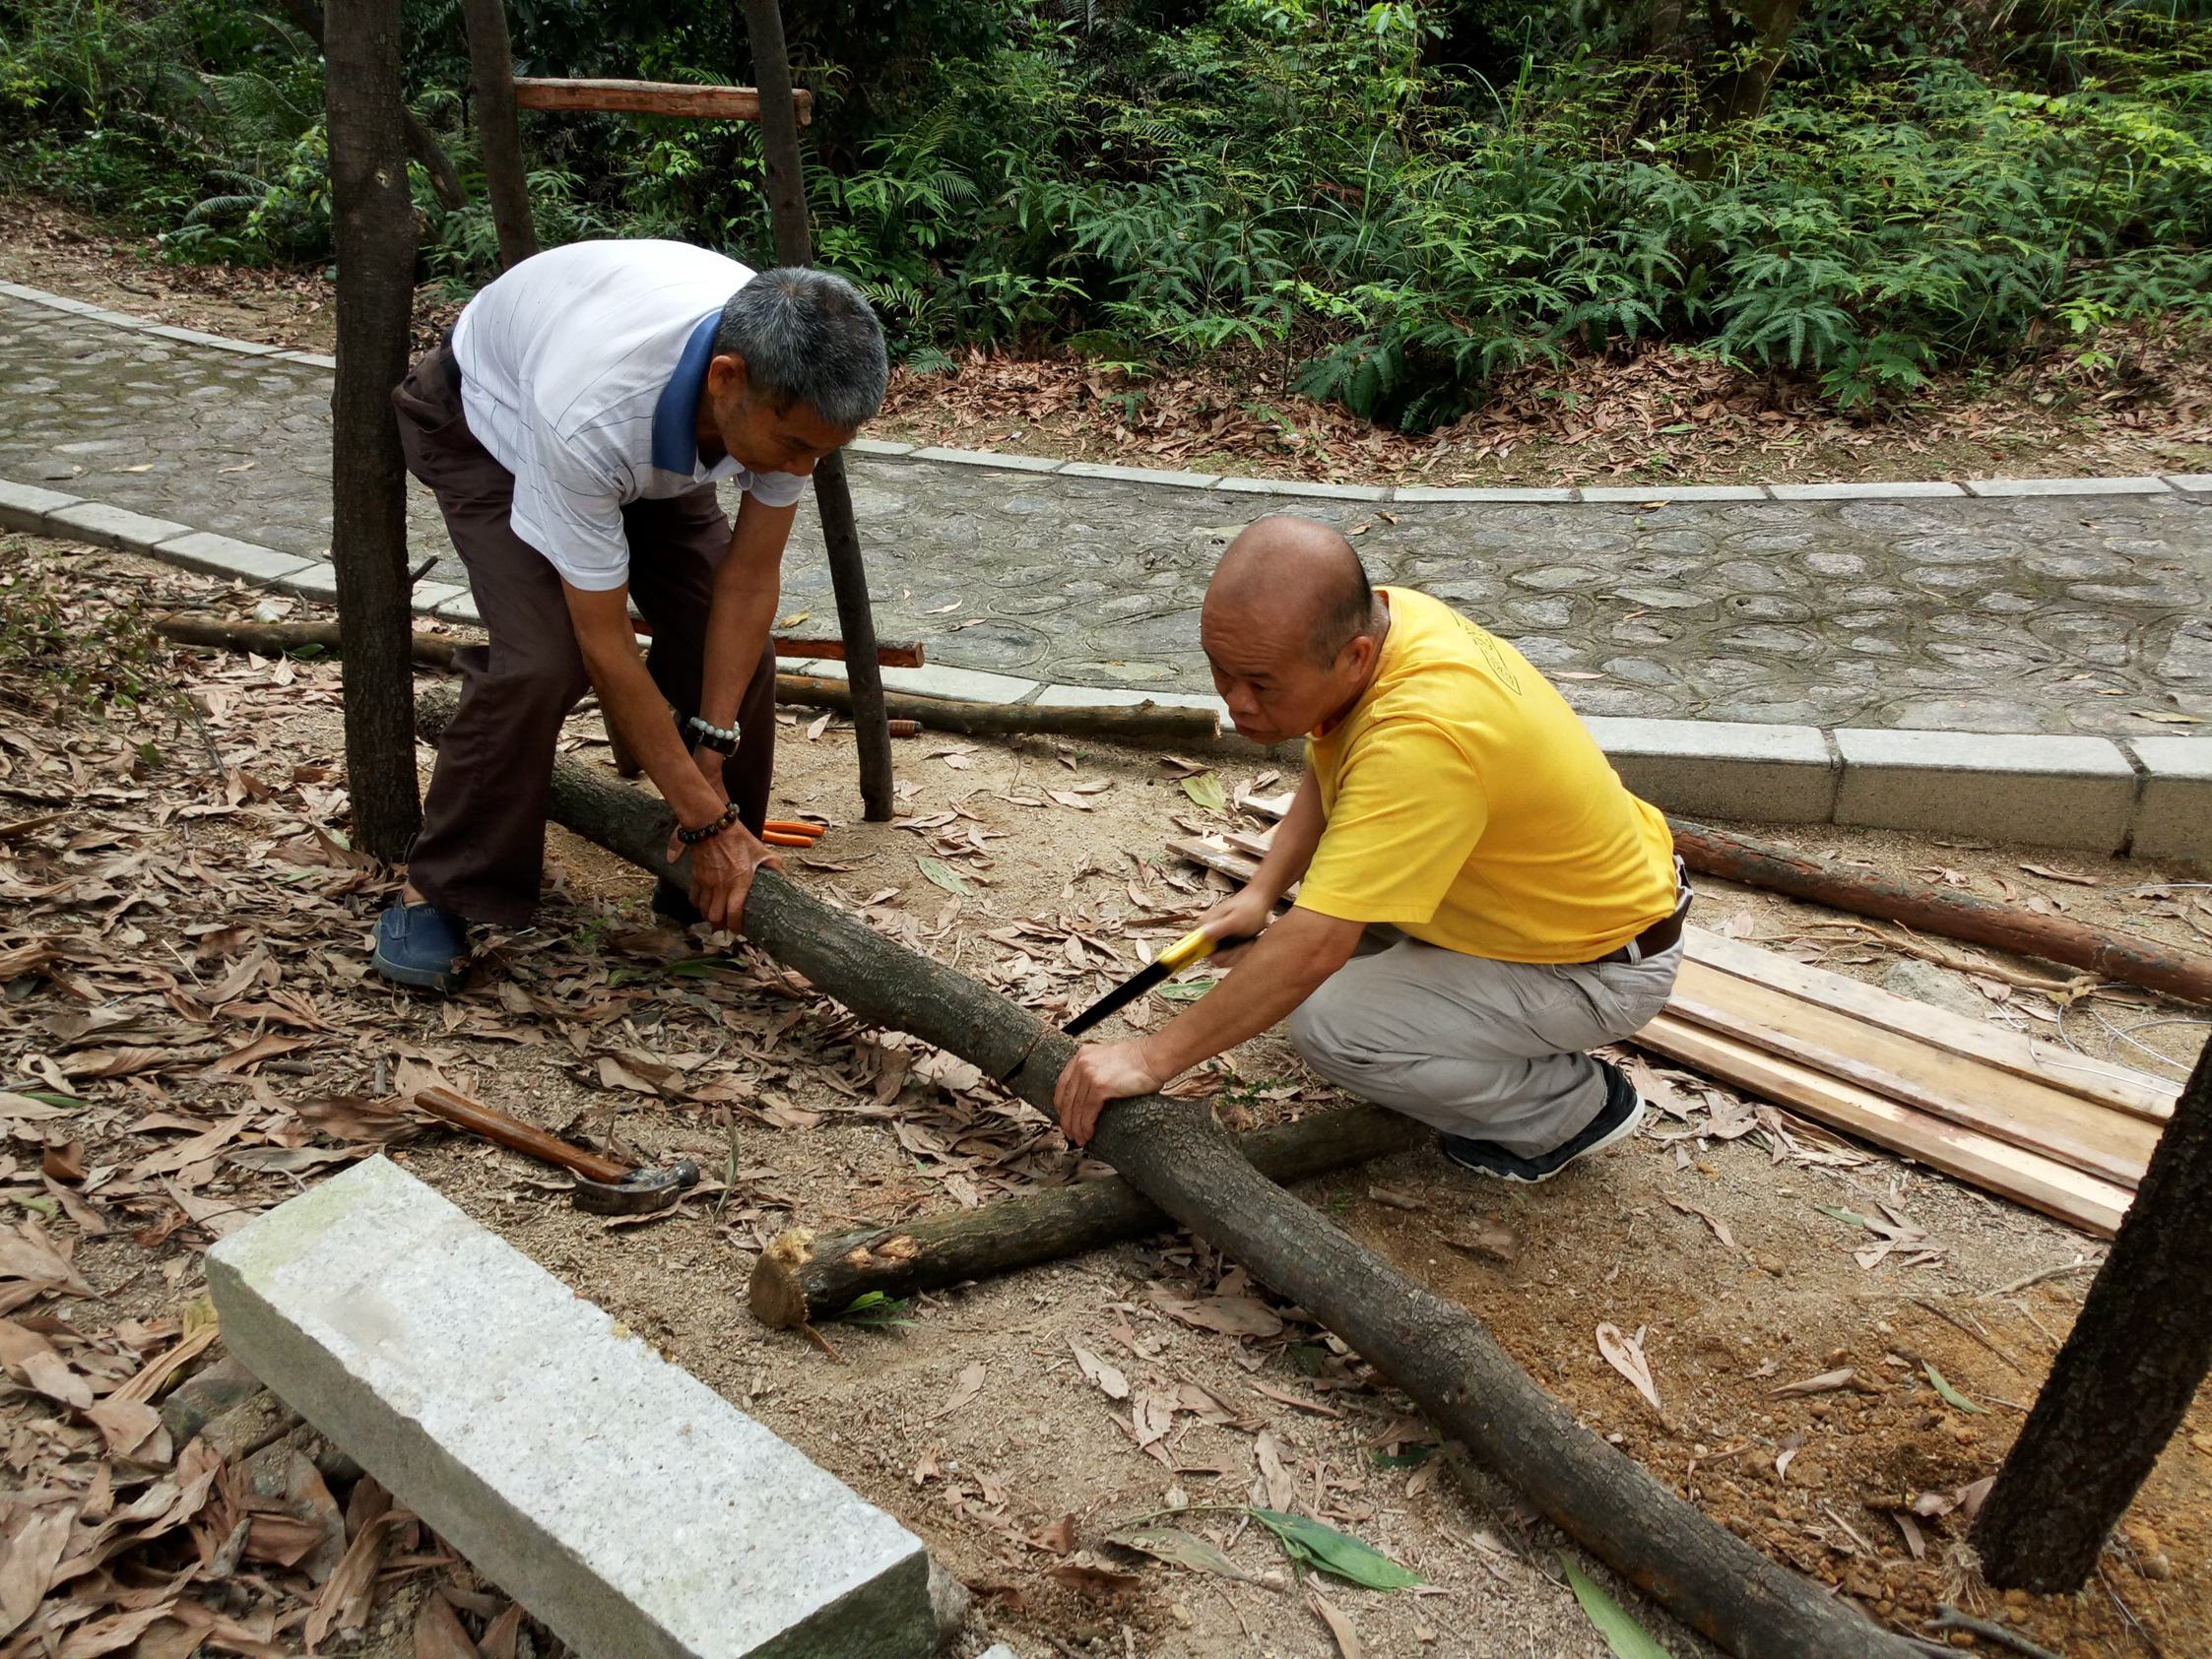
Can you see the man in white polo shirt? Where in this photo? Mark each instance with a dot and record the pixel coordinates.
(573, 430)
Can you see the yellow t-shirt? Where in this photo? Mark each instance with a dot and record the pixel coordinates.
(1469, 807)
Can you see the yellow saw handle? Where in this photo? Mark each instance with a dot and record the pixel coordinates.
(1194, 946)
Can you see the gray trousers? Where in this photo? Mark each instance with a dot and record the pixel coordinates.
(1492, 1051)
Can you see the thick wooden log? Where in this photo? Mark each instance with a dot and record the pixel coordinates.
(1175, 1153)
(2121, 1386)
(652, 97)
(803, 1279)
(1142, 723)
(277, 639)
(1944, 911)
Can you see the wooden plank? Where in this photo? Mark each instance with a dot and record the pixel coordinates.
(2102, 1081)
(2089, 1136)
(2042, 1184)
(651, 98)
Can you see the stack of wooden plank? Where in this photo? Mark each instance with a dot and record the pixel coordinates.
(2032, 1121)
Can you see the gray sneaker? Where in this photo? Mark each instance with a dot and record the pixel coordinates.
(1619, 1119)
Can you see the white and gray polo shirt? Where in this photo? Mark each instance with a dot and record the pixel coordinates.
(581, 370)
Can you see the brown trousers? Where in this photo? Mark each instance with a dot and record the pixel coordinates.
(482, 848)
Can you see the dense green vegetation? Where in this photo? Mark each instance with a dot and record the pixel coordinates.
(1388, 204)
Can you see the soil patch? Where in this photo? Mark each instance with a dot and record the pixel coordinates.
(187, 858)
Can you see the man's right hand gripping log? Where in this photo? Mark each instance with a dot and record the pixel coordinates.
(573, 430)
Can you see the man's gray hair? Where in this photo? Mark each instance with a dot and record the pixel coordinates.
(808, 335)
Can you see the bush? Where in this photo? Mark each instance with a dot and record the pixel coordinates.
(1389, 203)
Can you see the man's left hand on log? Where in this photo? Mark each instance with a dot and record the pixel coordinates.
(722, 868)
(1098, 1073)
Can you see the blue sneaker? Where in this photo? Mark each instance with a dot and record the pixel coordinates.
(422, 945)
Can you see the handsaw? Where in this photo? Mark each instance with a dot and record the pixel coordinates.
(1194, 946)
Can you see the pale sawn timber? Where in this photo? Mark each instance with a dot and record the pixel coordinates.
(1175, 1153)
(800, 1279)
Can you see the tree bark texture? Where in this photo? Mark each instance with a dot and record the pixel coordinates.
(2125, 1376)
(1174, 1154)
(651, 98)
(1145, 723)
(422, 142)
(276, 639)
(506, 180)
(803, 1279)
(833, 499)
(375, 224)
(1740, 92)
(1941, 910)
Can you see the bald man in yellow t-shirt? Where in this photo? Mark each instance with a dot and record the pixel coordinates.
(1482, 899)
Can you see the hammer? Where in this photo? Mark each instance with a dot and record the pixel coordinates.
(603, 1186)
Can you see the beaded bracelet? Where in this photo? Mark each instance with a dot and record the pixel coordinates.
(723, 740)
(693, 837)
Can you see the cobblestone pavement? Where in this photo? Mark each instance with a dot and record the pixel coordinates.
(2050, 614)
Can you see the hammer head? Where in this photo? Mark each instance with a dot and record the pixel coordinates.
(638, 1192)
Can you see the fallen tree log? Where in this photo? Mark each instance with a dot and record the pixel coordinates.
(1175, 1153)
(1944, 911)
(1137, 723)
(799, 1280)
(282, 639)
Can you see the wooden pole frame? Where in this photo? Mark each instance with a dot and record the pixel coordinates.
(374, 222)
(492, 68)
(833, 497)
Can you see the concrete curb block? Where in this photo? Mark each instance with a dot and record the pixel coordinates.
(2151, 796)
(1615, 495)
(633, 1509)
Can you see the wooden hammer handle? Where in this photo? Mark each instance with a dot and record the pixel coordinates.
(513, 1133)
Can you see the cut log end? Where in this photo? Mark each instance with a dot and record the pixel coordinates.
(777, 1295)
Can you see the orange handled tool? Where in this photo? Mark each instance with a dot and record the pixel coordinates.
(791, 832)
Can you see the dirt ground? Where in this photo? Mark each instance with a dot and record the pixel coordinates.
(1652, 414)
(184, 935)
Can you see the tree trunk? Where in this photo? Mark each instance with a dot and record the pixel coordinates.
(492, 68)
(1178, 1156)
(1145, 723)
(799, 1280)
(1941, 910)
(422, 142)
(376, 222)
(1740, 92)
(848, 574)
(2125, 1376)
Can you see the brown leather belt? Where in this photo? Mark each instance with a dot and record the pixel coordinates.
(1662, 934)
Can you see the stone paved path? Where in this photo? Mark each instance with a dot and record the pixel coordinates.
(2051, 614)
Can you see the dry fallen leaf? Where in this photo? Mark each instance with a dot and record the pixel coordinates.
(1094, 1580)
(964, 1392)
(1625, 1354)
(1340, 1628)
(1108, 1378)
(1280, 1491)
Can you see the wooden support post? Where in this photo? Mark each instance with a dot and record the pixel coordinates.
(1173, 1153)
(492, 68)
(833, 499)
(375, 227)
(2120, 1385)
